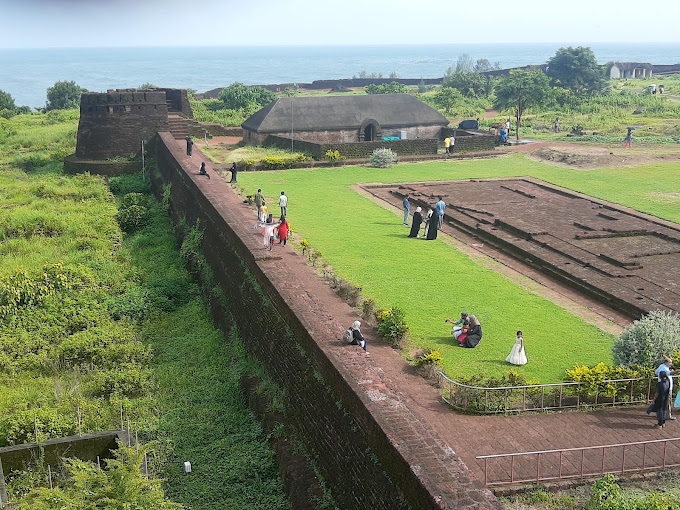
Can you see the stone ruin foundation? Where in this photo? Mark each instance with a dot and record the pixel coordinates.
(625, 259)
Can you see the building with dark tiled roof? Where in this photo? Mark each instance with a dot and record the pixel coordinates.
(630, 70)
(345, 119)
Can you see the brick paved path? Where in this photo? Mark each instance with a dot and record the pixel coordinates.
(468, 436)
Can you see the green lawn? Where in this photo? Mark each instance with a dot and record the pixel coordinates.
(367, 245)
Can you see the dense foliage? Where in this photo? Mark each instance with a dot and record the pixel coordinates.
(383, 158)
(521, 90)
(238, 96)
(386, 88)
(63, 95)
(648, 340)
(84, 308)
(577, 69)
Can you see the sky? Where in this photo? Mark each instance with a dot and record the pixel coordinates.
(115, 23)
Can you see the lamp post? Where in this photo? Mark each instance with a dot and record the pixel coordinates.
(291, 125)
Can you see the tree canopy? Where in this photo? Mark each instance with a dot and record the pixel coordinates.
(466, 77)
(386, 88)
(577, 69)
(521, 90)
(446, 98)
(64, 95)
(239, 96)
(6, 101)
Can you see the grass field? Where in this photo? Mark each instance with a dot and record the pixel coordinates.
(367, 245)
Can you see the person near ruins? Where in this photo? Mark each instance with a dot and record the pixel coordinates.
(474, 334)
(357, 337)
(452, 147)
(234, 171)
(557, 125)
(439, 208)
(507, 126)
(203, 171)
(415, 224)
(628, 141)
(661, 400)
(431, 225)
(283, 230)
(283, 204)
(665, 367)
(259, 201)
(190, 145)
(518, 355)
(447, 144)
(459, 326)
(406, 205)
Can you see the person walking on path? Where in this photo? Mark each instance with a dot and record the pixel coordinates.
(190, 145)
(447, 144)
(407, 207)
(452, 147)
(415, 224)
(234, 171)
(259, 201)
(440, 206)
(628, 142)
(283, 230)
(661, 400)
(665, 368)
(283, 204)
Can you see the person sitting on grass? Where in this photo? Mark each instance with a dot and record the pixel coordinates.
(459, 325)
(474, 334)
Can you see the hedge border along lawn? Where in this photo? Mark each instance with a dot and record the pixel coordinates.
(367, 245)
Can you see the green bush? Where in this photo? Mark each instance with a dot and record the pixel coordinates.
(133, 213)
(281, 162)
(48, 422)
(648, 340)
(383, 158)
(429, 357)
(392, 325)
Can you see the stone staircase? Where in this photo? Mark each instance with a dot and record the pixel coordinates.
(178, 126)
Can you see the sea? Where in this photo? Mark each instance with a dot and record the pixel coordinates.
(27, 73)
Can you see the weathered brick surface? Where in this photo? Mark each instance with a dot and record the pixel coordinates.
(113, 124)
(356, 150)
(371, 445)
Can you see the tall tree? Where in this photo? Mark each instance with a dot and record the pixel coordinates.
(521, 90)
(6, 101)
(577, 69)
(239, 96)
(446, 98)
(64, 95)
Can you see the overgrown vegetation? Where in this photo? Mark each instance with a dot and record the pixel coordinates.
(87, 309)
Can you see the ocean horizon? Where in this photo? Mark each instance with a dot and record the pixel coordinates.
(27, 73)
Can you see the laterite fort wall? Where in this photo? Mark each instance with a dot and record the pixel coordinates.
(372, 449)
(114, 124)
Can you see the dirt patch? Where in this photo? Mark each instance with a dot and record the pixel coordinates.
(579, 156)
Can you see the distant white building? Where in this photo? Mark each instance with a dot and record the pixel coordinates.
(630, 70)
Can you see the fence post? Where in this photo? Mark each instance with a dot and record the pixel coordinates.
(3, 488)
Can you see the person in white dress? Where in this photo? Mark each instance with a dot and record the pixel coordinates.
(518, 355)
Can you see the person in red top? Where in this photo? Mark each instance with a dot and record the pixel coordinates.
(283, 230)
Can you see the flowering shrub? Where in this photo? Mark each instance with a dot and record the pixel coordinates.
(383, 158)
(392, 325)
(648, 340)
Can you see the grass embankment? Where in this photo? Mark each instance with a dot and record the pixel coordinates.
(367, 245)
(94, 320)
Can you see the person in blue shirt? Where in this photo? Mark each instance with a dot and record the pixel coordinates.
(439, 208)
(407, 206)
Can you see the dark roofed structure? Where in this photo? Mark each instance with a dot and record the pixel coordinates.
(630, 70)
(343, 119)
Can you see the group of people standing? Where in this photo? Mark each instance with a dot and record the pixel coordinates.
(433, 218)
(270, 229)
